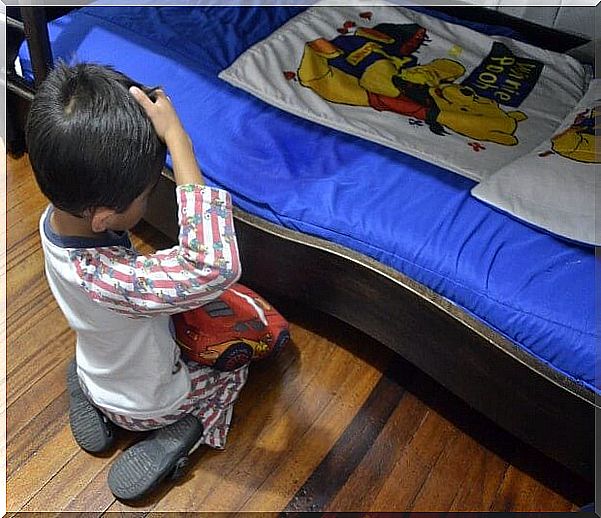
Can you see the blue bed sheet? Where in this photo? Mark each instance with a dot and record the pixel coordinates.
(532, 288)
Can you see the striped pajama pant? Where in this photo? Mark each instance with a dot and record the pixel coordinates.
(211, 400)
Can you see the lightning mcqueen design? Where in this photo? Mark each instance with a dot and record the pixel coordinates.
(230, 331)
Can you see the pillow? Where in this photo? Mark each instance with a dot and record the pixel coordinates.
(444, 93)
(554, 186)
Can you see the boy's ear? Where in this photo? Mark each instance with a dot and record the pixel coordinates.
(101, 219)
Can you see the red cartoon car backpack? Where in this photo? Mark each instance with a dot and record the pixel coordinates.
(230, 331)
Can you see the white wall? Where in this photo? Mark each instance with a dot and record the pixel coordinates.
(564, 15)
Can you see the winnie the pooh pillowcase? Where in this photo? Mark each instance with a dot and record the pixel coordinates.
(554, 187)
(442, 92)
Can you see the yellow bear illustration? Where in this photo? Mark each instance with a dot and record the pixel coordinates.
(474, 116)
(581, 141)
(371, 75)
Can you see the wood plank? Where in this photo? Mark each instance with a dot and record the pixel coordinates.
(95, 498)
(27, 286)
(33, 355)
(350, 449)
(358, 494)
(69, 482)
(522, 493)
(481, 483)
(41, 468)
(42, 429)
(34, 401)
(414, 465)
(447, 476)
(80, 480)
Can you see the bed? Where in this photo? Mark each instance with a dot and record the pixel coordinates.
(500, 313)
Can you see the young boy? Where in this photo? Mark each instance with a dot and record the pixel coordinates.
(97, 144)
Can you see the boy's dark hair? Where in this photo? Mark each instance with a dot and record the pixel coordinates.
(90, 143)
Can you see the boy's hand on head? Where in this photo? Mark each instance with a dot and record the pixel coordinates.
(169, 128)
(162, 114)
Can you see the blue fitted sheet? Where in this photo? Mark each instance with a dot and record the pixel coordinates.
(536, 290)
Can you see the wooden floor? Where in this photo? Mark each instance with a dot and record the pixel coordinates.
(337, 422)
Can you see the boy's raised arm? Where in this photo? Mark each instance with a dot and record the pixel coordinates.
(198, 269)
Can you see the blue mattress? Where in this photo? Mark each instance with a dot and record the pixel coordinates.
(536, 290)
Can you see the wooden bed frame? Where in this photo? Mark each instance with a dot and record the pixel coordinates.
(500, 380)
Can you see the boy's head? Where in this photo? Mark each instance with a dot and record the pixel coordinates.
(90, 143)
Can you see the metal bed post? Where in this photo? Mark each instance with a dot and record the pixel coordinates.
(29, 23)
(38, 41)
